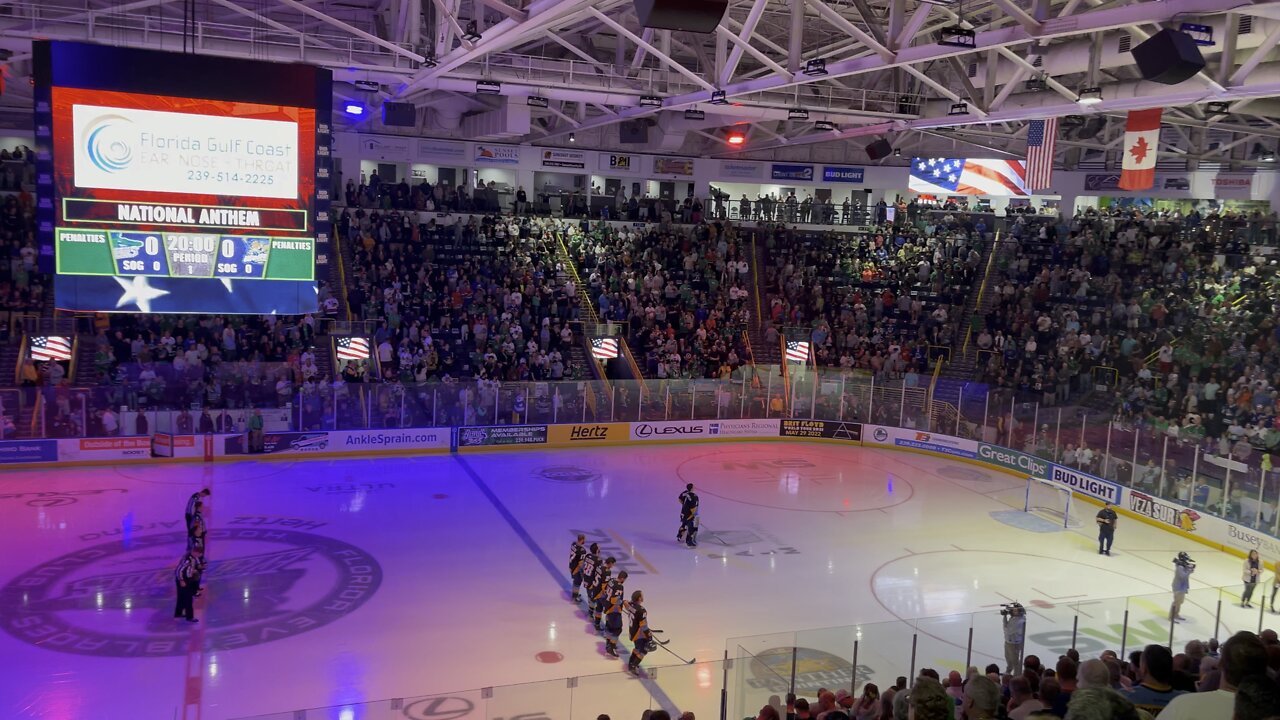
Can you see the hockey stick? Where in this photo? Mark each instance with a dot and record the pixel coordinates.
(686, 662)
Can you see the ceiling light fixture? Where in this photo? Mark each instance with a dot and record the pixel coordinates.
(718, 98)
(573, 138)
(1090, 96)
(694, 114)
(956, 36)
(824, 125)
(960, 108)
(650, 101)
(815, 67)
(797, 114)
(472, 32)
(735, 138)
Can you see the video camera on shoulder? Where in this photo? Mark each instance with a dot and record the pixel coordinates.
(1184, 560)
(1013, 609)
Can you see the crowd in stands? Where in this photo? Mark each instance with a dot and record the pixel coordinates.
(504, 311)
(876, 300)
(1237, 681)
(22, 285)
(681, 291)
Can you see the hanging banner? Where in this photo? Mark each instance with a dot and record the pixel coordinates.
(801, 173)
(672, 166)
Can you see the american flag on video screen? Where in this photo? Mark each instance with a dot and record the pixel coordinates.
(353, 348)
(604, 348)
(961, 176)
(1042, 139)
(798, 351)
(51, 347)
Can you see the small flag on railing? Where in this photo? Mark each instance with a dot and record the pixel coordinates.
(797, 351)
(604, 348)
(51, 347)
(353, 348)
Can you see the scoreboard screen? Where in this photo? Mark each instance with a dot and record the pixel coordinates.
(183, 192)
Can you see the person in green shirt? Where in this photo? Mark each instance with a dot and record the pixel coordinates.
(255, 432)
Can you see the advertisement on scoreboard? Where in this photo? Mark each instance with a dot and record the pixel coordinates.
(968, 176)
(186, 197)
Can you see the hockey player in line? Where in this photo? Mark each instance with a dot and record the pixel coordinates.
(587, 569)
(641, 635)
(688, 531)
(577, 552)
(599, 592)
(616, 602)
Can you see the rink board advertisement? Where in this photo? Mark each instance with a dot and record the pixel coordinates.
(1085, 484)
(502, 435)
(279, 443)
(587, 434)
(28, 451)
(920, 440)
(704, 430)
(388, 439)
(1013, 460)
(821, 430)
(104, 449)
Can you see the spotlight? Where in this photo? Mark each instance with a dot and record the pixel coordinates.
(797, 114)
(897, 152)
(956, 36)
(718, 98)
(815, 67)
(1090, 96)
(354, 109)
(735, 138)
(824, 125)
(694, 114)
(536, 101)
(650, 101)
(367, 85)
(573, 138)
(488, 87)
(959, 108)
(472, 33)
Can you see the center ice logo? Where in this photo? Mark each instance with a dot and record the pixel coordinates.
(115, 600)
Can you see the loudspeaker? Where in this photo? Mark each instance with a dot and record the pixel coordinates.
(879, 150)
(1168, 57)
(699, 16)
(632, 132)
(396, 114)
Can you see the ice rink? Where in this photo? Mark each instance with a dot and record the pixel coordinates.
(342, 582)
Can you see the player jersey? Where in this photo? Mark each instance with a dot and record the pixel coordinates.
(639, 623)
(576, 552)
(587, 568)
(616, 597)
(688, 504)
(601, 582)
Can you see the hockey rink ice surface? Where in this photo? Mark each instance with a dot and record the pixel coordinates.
(342, 582)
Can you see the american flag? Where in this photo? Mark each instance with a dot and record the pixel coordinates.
(1042, 139)
(51, 347)
(604, 348)
(798, 351)
(353, 348)
(967, 176)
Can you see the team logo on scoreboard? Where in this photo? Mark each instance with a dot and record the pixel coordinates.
(268, 584)
(106, 145)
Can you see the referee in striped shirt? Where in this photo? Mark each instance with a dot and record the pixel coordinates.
(186, 578)
(196, 499)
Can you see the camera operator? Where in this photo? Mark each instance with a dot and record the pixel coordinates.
(1014, 619)
(1183, 566)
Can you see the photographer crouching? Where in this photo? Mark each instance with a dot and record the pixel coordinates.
(1183, 566)
(1014, 619)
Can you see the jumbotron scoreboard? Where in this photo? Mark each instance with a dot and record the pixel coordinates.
(179, 183)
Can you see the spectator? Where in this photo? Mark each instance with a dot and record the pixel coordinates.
(1155, 671)
(1243, 655)
(1100, 704)
(928, 701)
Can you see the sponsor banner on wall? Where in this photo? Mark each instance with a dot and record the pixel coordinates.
(28, 451)
(496, 154)
(587, 434)
(1111, 181)
(502, 435)
(619, 163)
(802, 173)
(385, 147)
(825, 429)
(564, 159)
(100, 449)
(832, 173)
(741, 170)
(1018, 462)
(279, 443)
(704, 429)
(920, 440)
(1085, 484)
(1162, 512)
(431, 149)
(390, 439)
(672, 166)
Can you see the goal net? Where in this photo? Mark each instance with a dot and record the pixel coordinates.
(1051, 501)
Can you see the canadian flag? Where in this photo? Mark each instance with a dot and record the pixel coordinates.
(1141, 135)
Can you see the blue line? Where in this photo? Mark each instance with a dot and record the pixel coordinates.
(659, 696)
